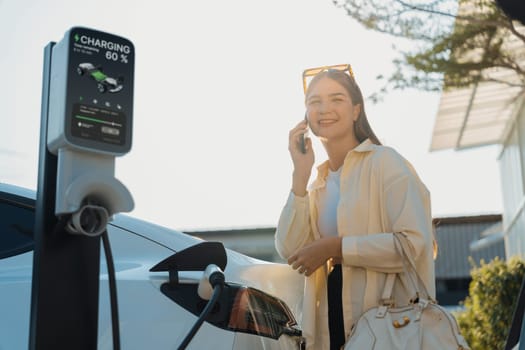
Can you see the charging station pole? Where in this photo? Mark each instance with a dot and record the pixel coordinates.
(76, 192)
(64, 309)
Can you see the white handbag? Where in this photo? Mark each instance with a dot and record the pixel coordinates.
(420, 325)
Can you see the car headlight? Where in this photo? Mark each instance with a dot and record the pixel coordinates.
(254, 311)
(239, 309)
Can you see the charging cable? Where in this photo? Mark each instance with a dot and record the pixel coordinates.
(62, 224)
(112, 291)
(210, 288)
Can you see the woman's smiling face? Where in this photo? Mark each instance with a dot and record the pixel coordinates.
(331, 112)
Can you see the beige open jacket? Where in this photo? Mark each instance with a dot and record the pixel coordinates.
(380, 194)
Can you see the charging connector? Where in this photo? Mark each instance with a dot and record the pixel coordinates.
(212, 280)
(90, 220)
(212, 276)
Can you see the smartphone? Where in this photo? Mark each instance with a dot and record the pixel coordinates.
(302, 141)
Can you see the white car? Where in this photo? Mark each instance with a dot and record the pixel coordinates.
(257, 311)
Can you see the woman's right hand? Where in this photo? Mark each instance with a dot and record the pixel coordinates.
(302, 162)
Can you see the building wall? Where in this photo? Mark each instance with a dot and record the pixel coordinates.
(453, 234)
(512, 165)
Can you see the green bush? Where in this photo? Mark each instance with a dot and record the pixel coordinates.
(489, 308)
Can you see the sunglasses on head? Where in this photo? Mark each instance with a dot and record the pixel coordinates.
(309, 73)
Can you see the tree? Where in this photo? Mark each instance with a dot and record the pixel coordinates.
(458, 42)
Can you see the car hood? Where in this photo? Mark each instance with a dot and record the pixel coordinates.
(276, 279)
(279, 280)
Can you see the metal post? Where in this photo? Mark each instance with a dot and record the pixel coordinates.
(65, 289)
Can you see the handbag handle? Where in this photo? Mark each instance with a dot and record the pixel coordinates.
(409, 269)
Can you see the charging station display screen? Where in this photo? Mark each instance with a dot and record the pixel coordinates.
(99, 90)
(100, 124)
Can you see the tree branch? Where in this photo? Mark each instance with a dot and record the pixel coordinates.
(422, 9)
(508, 83)
(454, 49)
(515, 31)
(470, 19)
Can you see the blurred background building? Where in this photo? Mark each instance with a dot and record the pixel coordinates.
(462, 241)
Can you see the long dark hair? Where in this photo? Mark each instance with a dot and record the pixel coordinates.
(362, 128)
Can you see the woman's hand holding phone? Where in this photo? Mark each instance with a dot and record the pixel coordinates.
(302, 142)
(302, 161)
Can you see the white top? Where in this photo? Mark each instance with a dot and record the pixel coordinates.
(328, 201)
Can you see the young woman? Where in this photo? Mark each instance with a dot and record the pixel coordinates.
(339, 232)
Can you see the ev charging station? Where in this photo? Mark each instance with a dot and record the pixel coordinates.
(86, 121)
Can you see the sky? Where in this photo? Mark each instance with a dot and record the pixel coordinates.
(217, 89)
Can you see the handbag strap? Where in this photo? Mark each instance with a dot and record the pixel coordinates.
(409, 270)
(405, 250)
(386, 297)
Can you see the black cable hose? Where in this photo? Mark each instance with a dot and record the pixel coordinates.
(112, 291)
(211, 303)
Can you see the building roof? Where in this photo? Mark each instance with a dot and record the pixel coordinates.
(490, 218)
(483, 113)
(475, 116)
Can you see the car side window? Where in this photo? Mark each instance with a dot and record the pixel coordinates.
(16, 229)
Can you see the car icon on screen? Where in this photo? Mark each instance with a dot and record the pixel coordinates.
(104, 82)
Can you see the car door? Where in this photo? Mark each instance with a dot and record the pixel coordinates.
(148, 319)
(16, 260)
